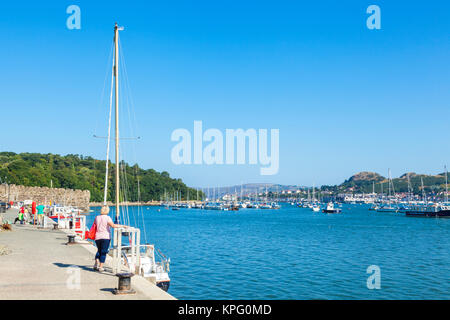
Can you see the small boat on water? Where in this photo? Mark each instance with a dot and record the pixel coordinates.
(331, 209)
(387, 208)
(433, 211)
(275, 205)
(265, 206)
(213, 206)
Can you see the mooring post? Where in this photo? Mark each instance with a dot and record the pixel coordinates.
(71, 239)
(124, 285)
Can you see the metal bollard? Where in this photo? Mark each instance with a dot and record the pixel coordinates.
(71, 239)
(124, 286)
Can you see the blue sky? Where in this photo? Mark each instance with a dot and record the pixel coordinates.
(345, 98)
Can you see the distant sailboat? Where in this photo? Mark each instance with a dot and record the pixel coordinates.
(389, 207)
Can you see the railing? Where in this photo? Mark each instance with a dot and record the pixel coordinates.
(131, 253)
(134, 235)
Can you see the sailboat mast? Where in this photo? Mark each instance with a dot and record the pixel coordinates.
(423, 191)
(116, 77)
(389, 187)
(382, 194)
(446, 185)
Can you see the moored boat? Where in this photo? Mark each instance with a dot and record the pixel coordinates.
(331, 209)
(434, 211)
(387, 208)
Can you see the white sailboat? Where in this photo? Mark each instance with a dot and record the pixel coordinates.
(315, 205)
(136, 258)
(389, 207)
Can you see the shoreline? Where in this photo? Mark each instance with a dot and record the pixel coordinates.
(130, 203)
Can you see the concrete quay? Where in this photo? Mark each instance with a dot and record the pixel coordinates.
(40, 265)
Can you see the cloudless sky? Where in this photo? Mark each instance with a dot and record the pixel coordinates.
(345, 98)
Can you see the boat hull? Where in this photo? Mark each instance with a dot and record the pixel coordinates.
(387, 210)
(163, 285)
(331, 211)
(438, 214)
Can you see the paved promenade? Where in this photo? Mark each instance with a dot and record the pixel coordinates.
(41, 266)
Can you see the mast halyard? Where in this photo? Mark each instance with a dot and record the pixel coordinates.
(116, 78)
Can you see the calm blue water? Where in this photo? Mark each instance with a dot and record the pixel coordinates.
(293, 253)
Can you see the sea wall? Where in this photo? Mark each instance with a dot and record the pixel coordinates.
(43, 195)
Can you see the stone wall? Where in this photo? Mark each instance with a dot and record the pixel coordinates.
(43, 195)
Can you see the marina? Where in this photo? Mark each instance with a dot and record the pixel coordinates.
(316, 249)
(224, 255)
(203, 237)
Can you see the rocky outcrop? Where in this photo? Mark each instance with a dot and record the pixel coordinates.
(45, 195)
(366, 176)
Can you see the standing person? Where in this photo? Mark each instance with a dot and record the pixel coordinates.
(22, 211)
(33, 212)
(104, 224)
(25, 213)
(40, 214)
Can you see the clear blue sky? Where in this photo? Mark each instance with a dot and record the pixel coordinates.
(345, 98)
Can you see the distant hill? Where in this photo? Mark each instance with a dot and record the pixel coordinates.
(361, 181)
(250, 188)
(86, 173)
(364, 182)
(366, 176)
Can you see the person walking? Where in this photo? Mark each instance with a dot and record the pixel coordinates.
(103, 224)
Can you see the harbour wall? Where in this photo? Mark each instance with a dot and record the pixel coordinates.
(43, 195)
